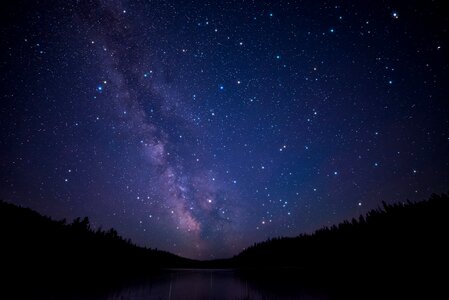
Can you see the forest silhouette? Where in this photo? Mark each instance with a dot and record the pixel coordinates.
(37, 250)
(401, 248)
(397, 245)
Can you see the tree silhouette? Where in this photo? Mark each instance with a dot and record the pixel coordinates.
(37, 251)
(397, 245)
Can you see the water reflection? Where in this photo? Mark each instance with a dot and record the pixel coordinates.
(207, 284)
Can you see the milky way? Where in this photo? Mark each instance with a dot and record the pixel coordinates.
(153, 118)
(201, 128)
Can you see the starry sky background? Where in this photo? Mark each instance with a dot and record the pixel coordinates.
(201, 127)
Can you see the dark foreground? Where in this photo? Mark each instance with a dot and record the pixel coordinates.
(187, 284)
(396, 251)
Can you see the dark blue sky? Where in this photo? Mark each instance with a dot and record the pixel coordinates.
(201, 127)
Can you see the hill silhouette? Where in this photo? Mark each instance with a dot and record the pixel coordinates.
(401, 247)
(37, 250)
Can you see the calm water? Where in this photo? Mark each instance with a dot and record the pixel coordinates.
(209, 284)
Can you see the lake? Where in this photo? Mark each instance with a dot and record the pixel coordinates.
(209, 284)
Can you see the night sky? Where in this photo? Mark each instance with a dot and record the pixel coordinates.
(201, 127)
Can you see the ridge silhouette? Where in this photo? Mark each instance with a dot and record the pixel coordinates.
(38, 251)
(397, 250)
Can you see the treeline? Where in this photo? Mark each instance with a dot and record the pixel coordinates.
(402, 242)
(37, 249)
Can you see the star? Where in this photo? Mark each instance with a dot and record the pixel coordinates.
(203, 120)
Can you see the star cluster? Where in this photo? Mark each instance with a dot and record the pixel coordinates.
(202, 127)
